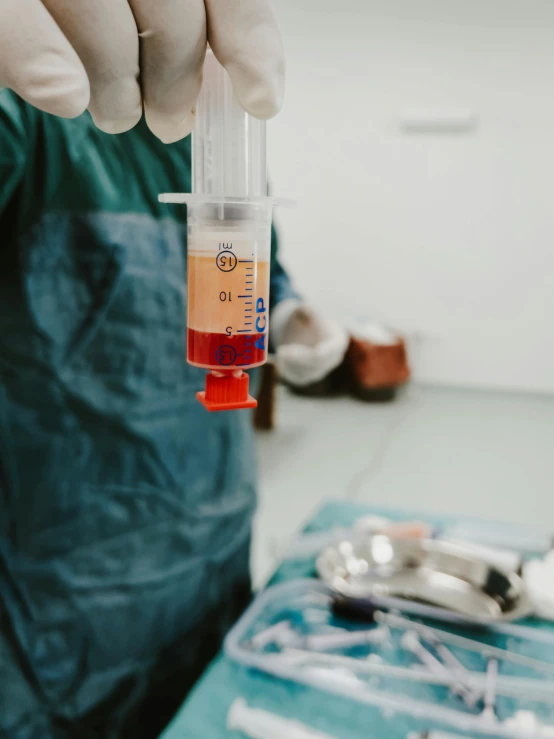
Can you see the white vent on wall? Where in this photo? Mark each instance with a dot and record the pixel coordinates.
(438, 121)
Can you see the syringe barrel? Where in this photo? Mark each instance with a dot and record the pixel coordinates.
(229, 145)
(229, 243)
(229, 250)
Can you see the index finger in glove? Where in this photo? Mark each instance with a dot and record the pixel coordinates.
(38, 62)
(104, 35)
(245, 38)
(172, 50)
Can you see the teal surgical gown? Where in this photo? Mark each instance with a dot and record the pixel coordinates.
(125, 508)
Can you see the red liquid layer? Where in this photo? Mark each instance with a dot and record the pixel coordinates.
(219, 350)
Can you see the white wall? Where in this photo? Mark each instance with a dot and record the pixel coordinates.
(449, 236)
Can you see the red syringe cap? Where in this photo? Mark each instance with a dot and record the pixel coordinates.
(227, 391)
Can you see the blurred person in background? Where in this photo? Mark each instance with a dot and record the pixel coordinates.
(125, 508)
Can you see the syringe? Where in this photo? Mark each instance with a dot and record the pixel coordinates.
(229, 243)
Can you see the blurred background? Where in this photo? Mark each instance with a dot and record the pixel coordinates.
(417, 140)
(445, 233)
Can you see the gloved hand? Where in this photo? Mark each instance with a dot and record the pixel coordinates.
(308, 345)
(538, 575)
(114, 56)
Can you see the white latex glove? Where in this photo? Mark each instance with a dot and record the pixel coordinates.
(538, 575)
(114, 56)
(309, 346)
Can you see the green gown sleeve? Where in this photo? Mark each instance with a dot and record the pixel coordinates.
(14, 143)
(280, 284)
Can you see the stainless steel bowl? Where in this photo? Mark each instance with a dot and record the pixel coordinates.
(437, 573)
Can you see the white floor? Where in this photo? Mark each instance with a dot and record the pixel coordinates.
(444, 450)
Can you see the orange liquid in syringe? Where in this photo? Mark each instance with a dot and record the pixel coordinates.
(228, 303)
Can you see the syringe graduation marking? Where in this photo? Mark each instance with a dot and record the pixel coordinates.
(248, 288)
